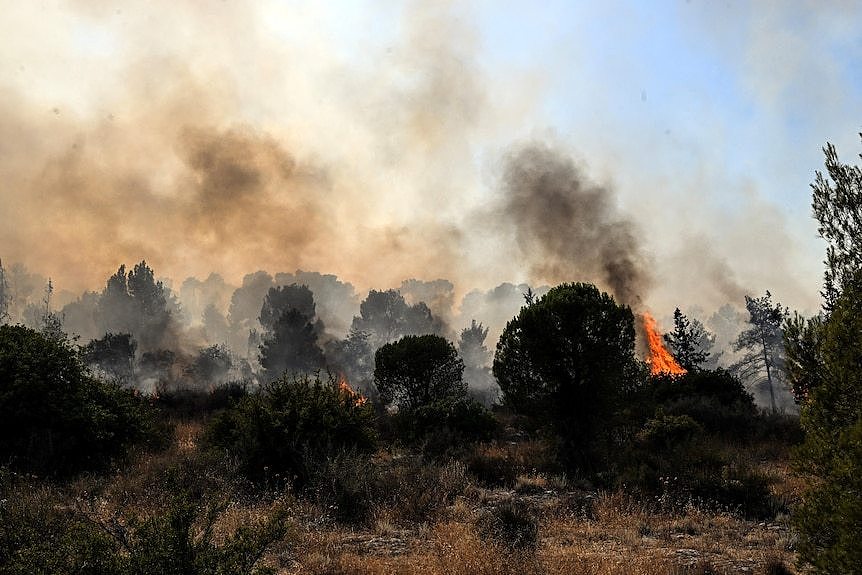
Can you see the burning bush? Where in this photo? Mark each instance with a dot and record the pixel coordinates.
(277, 433)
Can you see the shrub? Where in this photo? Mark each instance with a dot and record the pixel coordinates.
(510, 525)
(445, 426)
(715, 399)
(279, 431)
(56, 418)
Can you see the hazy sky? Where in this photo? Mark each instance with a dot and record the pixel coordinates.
(370, 139)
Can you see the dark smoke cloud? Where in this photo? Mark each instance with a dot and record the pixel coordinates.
(570, 228)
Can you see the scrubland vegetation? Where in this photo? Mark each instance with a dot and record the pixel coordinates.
(586, 463)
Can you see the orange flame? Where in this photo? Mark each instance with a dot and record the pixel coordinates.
(344, 387)
(660, 359)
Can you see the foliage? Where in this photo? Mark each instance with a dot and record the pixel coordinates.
(386, 316)
(211, 366)
(828, 520)
(763, 360)
(276, 433)
(445, 425)
(714, 399)
(512, 525)
(281, 299)
(802, 344)
(477, 371)
(41, 535)
(112, 355)
(291, 346)
(417, 371)
(352, 356)
(689, 342)
(55, 418)
(837, 205)
(569, 357)
(137, 304)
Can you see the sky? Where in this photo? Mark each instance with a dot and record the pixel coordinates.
(376, 140)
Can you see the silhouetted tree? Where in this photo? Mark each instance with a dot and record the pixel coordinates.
(689, 342)
(113, 355)
(567, 359)
(5, 295)
(136, 303)
(352, 356)
(386, 317)
(215, 325)
(211, 366)
(763, 344)
(418, 370)
(291, 346)
(471, 346)
(281, 299)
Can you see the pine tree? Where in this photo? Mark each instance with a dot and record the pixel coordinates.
(689, 342)
(763, 343)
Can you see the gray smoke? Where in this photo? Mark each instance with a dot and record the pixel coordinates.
(570, 228)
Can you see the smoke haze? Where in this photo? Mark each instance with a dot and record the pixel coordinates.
(227, 139)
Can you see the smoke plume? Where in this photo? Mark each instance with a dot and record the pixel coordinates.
(570, 228)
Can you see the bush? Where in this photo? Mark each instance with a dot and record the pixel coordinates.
(714, 399)
(194, 403)
(56, 418)
(445, 426)
(510, 525)
(278, 432)
(40, 534)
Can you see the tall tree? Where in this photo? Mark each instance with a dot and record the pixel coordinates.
(417, 371)
(5, 295)
(837, 204)
(477, 371)
(567, 359)
(386, 316)
(763, 344)
(689, 342)
(825, 354)
(291, 331)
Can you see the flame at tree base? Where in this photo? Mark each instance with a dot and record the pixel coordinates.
(660, 360)
(344, 387)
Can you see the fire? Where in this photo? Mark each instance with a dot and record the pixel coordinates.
(344, 387)
(660, 359)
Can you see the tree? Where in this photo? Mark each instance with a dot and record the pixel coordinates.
(5, 295)
(386, 316)
(763, 342)
(476, 356)
(290, 332)
(837, 205)
(291, 346)
(137, 304)
(689, 342)
(418, 370)
(113, 355)
(55, 418)
(825, 354)
(352, 356)
(567, 358)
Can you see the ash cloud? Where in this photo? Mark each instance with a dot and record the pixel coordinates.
(569, 227)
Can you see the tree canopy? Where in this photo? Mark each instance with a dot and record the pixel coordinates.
(418, 370)
(567, 357)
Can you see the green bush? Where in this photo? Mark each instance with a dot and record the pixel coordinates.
(278, 433)
(446, 426)
(714, 399)
(55, 417)
(40, 533)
